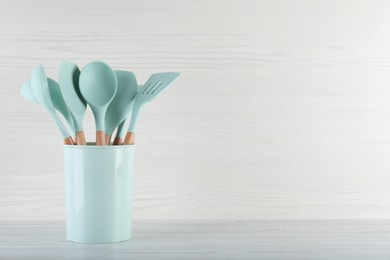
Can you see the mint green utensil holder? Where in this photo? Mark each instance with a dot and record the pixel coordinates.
(98, 193)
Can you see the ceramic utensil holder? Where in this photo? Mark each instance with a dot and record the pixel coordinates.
(98, 192)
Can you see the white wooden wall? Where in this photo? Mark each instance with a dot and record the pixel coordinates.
(282, 110)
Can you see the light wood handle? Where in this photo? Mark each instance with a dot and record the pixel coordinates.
(108, 139)
(80, 138)
(117, 141)
(129, 139)
(100, 138)
(69, 141)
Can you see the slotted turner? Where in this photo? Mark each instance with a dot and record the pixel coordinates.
(149, 91)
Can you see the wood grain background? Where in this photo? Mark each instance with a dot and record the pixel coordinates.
(282, 110)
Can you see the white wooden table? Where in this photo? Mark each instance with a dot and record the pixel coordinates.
(276, 239)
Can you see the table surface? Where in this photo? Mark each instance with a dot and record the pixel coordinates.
(270, 239)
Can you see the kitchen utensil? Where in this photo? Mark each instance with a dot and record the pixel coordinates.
(69, 85)
(41, 91)
(56, 96)
(122, 103)
(152, 88)
(27, 92)
(121, 131)
(98, 85)
(60, 104)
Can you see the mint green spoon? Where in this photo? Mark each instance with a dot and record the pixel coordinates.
(98, 85)
(69, 85)
(122, 103)
(152, 88)
(41, 91)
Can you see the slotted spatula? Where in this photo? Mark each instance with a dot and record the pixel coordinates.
(149, 91)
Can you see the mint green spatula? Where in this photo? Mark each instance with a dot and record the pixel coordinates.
(122, 103)
(69, 85)
(27, 92)
(152, 88)
(41, 91)
(58, 101)
(60, 104)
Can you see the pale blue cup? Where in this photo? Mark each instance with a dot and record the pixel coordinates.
(98, 192)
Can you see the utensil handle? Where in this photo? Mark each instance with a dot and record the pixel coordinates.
(80, 138)
(107, 139)
(69, 141)
(121, 128)
(118, 141)
(134, 117)
(100, 138)
(61, 126)
(129, 139)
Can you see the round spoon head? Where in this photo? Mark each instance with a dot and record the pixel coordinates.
(98, 83)
(121, 105)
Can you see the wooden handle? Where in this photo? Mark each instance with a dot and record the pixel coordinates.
(100, 138)
(107, 139)
(69, 141)
(80, 138)
(117, 141)
(129, 139)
